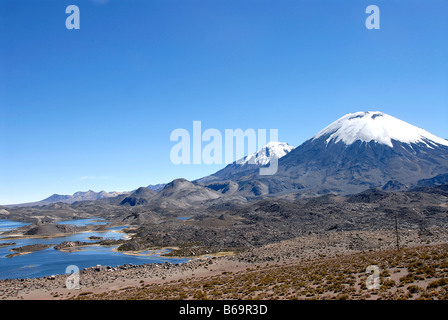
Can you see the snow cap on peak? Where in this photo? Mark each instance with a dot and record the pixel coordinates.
(264, 155)
(379, 127)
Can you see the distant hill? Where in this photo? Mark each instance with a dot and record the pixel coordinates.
(140, 196)
(69, 199)
(177, 194)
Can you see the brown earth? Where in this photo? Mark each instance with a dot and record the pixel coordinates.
(330, 266)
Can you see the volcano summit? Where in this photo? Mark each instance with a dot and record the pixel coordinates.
(359, 151)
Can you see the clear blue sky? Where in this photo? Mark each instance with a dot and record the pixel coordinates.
(94, 108)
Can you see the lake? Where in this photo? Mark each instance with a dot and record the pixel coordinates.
(51, 262)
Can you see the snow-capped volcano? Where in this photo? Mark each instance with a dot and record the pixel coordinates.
(253, 161)
(263, 156)
(359, 151)
(378, 127)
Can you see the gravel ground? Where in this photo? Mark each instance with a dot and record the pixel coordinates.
(105, 278)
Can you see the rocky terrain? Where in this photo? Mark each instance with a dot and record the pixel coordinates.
(233, 227)
(269, 221)
(418, 273)
(231, 246)
(319, 266)
(77, 196)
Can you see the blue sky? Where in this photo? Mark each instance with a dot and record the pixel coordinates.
(94, 108)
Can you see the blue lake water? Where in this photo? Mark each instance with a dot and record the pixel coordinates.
(6, 225)
(50, 261)
(84, 222)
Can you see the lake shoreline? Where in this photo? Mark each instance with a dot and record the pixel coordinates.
(126, 281)
(90, 239)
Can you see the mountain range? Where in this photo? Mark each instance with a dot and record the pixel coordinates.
(77, 196)
(359, 151)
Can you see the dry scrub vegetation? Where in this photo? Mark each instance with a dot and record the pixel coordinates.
(411, 273)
